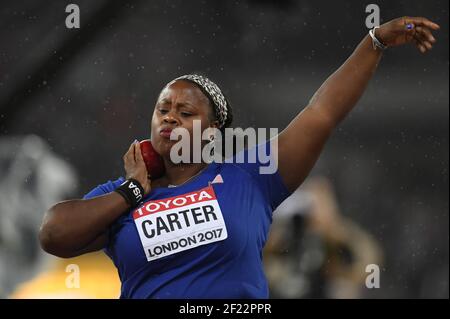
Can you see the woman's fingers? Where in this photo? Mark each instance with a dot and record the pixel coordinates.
(423, 40)
(428, 45)
(426, 34)
(140, 158)
(129, 155)
(420, 46)
(421, 21)
(138, 153)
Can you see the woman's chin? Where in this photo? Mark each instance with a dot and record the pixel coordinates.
(163, 146)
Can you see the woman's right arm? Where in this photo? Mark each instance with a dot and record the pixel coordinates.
(75, 227)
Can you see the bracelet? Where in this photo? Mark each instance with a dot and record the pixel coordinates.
(132, 191)
(375, 42)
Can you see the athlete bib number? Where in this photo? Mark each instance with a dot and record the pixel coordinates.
(179, 223)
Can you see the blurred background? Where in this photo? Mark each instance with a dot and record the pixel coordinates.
(72, 100)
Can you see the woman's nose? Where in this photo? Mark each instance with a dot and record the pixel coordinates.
(169, 118)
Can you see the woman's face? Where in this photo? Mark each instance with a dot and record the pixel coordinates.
(178, 105)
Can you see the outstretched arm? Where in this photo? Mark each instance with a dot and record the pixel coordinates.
(301, 143)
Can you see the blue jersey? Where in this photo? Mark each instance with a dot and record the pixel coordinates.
(202, 239)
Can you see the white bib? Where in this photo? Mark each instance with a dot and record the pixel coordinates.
(168, 226)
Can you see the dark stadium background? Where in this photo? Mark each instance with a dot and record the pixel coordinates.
(90, 92)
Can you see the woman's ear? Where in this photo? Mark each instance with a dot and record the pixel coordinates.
(212, 129)
(214, 124)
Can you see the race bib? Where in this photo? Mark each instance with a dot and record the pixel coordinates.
(179, 223)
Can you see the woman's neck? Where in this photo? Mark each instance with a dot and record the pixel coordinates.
(177, 174)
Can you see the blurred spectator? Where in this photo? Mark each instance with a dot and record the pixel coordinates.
(33, 178)
(315, 252)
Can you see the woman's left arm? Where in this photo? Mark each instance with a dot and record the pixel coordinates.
(300, 144)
